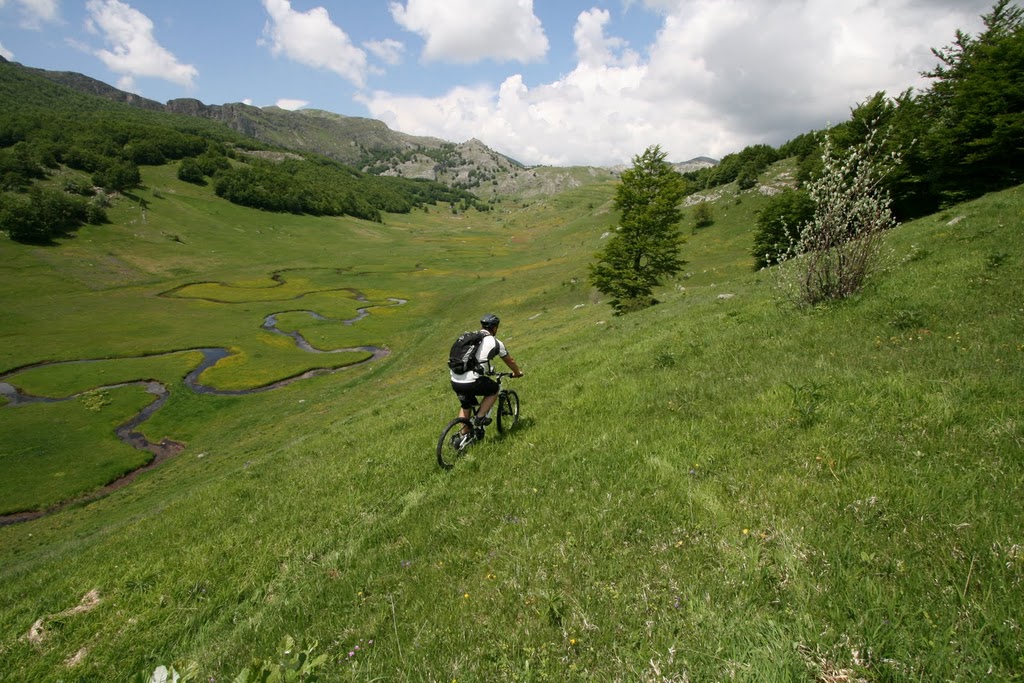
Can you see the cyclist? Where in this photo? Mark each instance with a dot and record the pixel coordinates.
(469, 385)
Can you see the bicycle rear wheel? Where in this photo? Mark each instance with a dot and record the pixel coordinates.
(451, 446)
(508, 410)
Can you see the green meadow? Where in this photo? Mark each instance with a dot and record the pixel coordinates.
(720, 487)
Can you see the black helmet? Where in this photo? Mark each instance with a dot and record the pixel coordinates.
(490, 321)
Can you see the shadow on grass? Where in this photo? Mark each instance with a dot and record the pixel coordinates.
(524, 424)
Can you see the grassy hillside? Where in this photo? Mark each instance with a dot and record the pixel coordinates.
(719, 487)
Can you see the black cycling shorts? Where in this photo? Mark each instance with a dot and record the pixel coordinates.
(468, 391)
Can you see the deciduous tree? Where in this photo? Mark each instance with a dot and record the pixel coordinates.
(976, 107)
(778, 226)
(703, 215)
(645, 248)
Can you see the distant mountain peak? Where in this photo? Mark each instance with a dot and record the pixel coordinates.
(695, 164)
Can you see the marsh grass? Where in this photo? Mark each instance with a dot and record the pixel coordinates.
(67, 379)
(54, 452)
(268, 358)
(712, 489)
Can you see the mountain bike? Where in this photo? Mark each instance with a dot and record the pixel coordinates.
(455, 441)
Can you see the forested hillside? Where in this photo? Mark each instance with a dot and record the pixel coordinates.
(366, 144)
(100, 144)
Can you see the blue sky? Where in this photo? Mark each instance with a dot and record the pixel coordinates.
(558, 82)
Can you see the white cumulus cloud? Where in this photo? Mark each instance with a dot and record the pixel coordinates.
(388, 51)
(468, 31)
(593, 47)
(718, 76)
(133, 49)
(291, 105)
(37, 12)
(311, 38)
(5, 53)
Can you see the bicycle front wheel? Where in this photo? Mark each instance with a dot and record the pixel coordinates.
(508, 410)
(451, 445)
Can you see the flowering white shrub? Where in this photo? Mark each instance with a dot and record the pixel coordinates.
(841, 245)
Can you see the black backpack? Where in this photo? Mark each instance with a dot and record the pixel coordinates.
(462, 357)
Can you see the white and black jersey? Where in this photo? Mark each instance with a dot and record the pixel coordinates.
(489, 347)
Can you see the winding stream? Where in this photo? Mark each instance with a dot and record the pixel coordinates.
(167, 448)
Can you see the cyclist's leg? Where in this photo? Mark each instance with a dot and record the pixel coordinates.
(488, 388)
(486, 404)
(467, 402)
(468, 415)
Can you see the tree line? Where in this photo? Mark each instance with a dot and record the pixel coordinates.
(323, 187)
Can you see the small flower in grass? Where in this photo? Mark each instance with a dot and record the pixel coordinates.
(465, 596)
(746, 532)
(356, 649)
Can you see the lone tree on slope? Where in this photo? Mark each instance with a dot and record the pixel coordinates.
(645, 249)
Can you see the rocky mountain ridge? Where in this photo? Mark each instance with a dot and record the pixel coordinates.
(368, 144)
